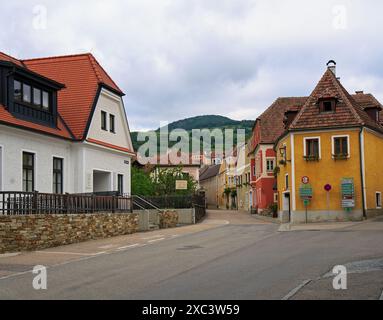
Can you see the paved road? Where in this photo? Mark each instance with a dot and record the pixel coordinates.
(230, 256)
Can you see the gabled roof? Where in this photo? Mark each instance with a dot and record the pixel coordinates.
(270, 123)
(209, 172)
(348, 112)
(82, 76)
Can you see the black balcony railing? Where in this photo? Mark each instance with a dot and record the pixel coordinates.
(26, 203)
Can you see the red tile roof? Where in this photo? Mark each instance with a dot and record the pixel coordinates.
(82, 75)
(61, 130)
(109, 145)
(349, 112)
(270, 125)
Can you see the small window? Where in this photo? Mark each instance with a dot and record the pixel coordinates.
(378, 197)
(286, 182)
(17, 90)
(45, 100)
(36, 97)
(312, 148)
(103, 120)
(111, 123)
(341, 147)
(27, 95)
(327, 106)
(270, 165)
(28, 172)
(57, 175)
(120, 184)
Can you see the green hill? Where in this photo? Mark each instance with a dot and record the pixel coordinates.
(203, 122)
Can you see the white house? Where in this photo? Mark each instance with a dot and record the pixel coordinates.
(63, 127)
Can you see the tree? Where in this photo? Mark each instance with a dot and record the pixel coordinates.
(142, 183)
(165, 182)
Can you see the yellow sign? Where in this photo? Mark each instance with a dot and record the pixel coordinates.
(181, 185)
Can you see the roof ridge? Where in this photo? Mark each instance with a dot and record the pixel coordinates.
(8, 55)
(343, 92)
(58, 57)
(94, 63)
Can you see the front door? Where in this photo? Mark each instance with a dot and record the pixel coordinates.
(286, 207)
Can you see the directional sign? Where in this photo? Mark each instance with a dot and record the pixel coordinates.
(348, 193)
(306, 191)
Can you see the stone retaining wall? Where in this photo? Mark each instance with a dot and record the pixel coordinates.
(33, 232)
(168, 219)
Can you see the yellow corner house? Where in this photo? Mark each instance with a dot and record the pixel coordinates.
(329, 157)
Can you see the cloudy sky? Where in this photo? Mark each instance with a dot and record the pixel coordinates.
(181, 58)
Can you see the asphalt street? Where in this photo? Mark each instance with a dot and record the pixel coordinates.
(231, 255)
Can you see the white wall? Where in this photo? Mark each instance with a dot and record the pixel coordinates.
(14, 141)
(102, 159)
(111, 104)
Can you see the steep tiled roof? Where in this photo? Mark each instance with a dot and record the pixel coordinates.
(5, 57)
(348, 111)
(61, 130)
(81, 75)
(271, 121)
(209, 172)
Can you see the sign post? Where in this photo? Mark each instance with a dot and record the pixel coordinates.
(306, 193)
(348, 194)
(328, 188)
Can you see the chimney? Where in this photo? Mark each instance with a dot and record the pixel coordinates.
(359, 92)
(331, 65)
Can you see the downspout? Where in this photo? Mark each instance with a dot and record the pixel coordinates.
(361, 154)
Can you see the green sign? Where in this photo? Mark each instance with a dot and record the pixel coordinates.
(348, 193)
(306, 202)
(306, 191)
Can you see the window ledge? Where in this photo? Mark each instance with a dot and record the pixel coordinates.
(340, 156)
(311, 158)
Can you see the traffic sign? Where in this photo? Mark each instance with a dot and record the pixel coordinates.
(305, 180)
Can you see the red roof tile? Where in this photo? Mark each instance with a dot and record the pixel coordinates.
(348, 111)
(109, 145)
(82, 76)
(61, 130)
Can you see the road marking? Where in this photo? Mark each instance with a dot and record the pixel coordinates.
(72, 253)
(157, 236)
(295, 290)
(8, 255)
(155, 240)
(127, 247)
(109, 246)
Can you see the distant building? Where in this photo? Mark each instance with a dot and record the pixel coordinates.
(208, 181)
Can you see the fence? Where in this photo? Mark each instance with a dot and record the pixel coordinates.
(22, 203)
(195, 201)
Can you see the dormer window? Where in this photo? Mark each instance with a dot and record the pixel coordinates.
(327, 106)
(30, 95)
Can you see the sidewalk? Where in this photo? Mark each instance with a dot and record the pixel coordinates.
(370, 224)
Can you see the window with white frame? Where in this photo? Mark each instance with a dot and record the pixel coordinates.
(312, 148)
(340, 146)
(378, 197)
(270, 164)
(275, 197)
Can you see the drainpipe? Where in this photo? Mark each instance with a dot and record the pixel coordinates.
(361, 150)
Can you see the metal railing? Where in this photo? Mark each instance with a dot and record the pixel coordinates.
(26, 203)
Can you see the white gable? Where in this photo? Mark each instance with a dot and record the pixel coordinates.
(112, 105)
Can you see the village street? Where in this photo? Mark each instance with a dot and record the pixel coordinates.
(230, 255)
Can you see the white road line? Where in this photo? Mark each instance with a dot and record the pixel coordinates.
(72, 253)
(109, 246)
(127, 247)
(157, 236)
(295, 290)
(155, 240)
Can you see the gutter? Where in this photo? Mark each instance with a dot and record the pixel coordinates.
(361, 155)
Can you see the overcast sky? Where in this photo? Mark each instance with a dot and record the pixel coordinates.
(181, 58)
